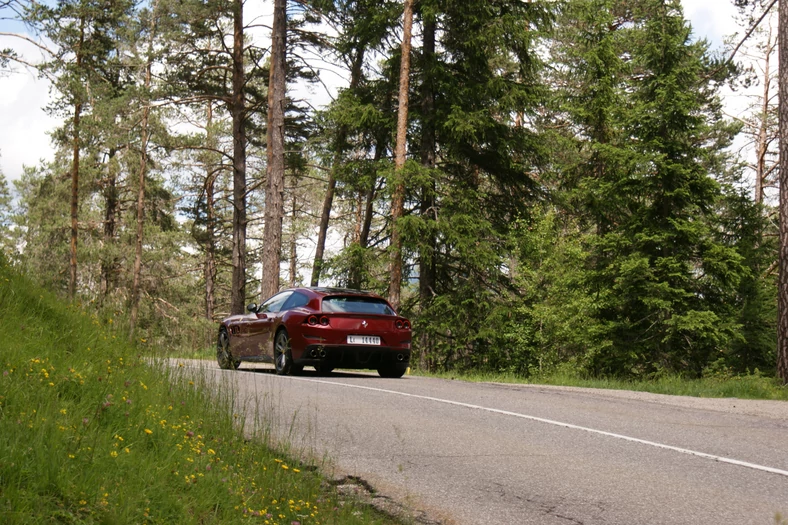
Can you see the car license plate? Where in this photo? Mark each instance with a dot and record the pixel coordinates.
(363, 340)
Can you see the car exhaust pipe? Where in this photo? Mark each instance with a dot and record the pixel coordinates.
(400, 357)
(322, 352)
(313, 353)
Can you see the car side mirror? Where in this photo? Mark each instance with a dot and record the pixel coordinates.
(252, 307)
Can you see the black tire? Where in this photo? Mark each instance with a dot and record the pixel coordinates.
(223, 355)
(324, 369)
(283, 357)
(392, 371)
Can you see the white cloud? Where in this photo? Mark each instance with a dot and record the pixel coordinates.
(711, 19)
(23, 134)
(23, 122)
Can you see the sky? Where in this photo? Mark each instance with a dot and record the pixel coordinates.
(24, 125)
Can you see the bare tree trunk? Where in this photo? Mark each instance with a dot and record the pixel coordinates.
(72, 282)
(238, 284)
(339, 147)
(322, 232)
(369, 210)
(782, 309)
(293, 246)
(210, 247)
(210, 244)
(359, 217)
(763, 137)
(355, 278)
(427, 208)
(275, 144)
(398, 197)
(137, 271)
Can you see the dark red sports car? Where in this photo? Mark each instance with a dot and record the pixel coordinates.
(326, 328)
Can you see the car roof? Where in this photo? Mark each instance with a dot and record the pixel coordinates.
(325, 291)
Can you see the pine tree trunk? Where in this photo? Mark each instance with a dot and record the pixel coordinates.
(210, 220)
(210, 247)
(144, 138)
(782, 310)
(109, 265)
(72, 282)
(322, 232)
(275, 143)
(238, 283)
(427, 207)
(339, 147)
(137, 271)
(355, 278)
(293, 246)
(359, 217)
(398, 197)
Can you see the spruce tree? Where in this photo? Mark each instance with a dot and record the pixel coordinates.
(657, 263)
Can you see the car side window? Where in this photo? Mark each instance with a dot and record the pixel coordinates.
(295, 301)
(274, 304)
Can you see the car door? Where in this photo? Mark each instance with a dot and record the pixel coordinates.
(256, 329)
(262, 330)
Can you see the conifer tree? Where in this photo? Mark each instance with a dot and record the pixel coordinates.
(656, 259)
(82, 32)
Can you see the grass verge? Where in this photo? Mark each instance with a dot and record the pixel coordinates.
(90, 432)
(753, 386)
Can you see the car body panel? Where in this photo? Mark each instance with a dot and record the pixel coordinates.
(325, 345)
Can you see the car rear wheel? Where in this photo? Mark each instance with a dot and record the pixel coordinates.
(392, 371)
(223, 355)
(283, 357)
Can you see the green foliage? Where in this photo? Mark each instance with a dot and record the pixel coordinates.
(570, 202)
(661, 278)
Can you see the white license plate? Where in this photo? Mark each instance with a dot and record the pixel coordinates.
(363, 340)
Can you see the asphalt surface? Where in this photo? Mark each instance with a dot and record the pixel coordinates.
(463, 453)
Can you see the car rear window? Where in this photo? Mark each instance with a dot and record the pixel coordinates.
(357, 305)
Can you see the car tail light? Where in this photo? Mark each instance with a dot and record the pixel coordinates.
(398, 323)
(324, 321)
(406, 324)
(312, 320)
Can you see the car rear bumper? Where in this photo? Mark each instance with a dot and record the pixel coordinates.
(353, 356)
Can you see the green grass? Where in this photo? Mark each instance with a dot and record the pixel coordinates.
(91, 432)
(754, 386)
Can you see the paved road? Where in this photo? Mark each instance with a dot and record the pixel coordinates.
(502, 454)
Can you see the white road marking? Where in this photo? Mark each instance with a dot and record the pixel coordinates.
(680, 450)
